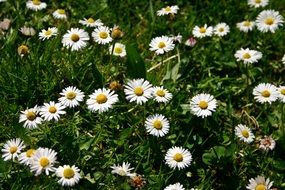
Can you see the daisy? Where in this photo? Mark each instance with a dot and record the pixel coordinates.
(161, 44)
(245, 26)
(52, 110)
(59, 14)
(202, 105)
(71, 96)
(257, 3)
(31, 118)
(244, 133)
(281, 91)
(23, 50)
(3, 0)
(75, 39)
(269, 20)
(190, 41)
(47, 34)
(137, 181)
(177, 38)
(27, 31)
(178, 157)
(201, 32)
(36, 5)
(267, 143)
(123, 170)
(116, 32)
(176, 186)
(118, 50)
(160, 94)
(102, 100)
(157, 125)
(69, 176)
(101, 35)
(168, 10)
(283, 59)
(265, 92)
(138, 90)
(221, 29)
(43, 161)
(27, 157)
(248, 56)
(90, 22)
(259, 183)
(12, 148)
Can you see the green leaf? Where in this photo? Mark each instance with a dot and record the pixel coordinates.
(135, 64)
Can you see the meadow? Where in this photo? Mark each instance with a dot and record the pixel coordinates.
(142, 94)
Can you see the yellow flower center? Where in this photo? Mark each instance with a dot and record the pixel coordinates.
(178, 157)
(246, 23)
(52, 109)
(90, 20)
(157, 124)
(167, 9)
(74, 37)
(103, 35)
(202, 30)
(122, 172)
(269, 21)
(118, 50)
(260, 187)
(31, 115)
(30, 153)
(44, 161)
(13, 149)
(257, 1)
(68, 173)
(245, 133)
(138, 91)
(48, 32)
(160, 93)
(282, 91)
(61, 11)
(221, 29)
(203, 104)
(265, 93)
(161, 45)
(101, 98)
(246, 56)
(70, 95)
(36, 2)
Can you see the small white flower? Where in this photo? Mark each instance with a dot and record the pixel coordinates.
(71, 96)
(36, 5)
(160, 94)
(69, 176)
(283, 59)
(248, 56)
(281, 91)
(161, 44)
(267, 143)
(177, 38)
(202, 105)
(118, 50)
(265, 92)
(52, 110)
(201, 32)
(168, 10)
(27, 31)
(47, 34)
(90, 22)
(101, 35)
(221, 29)
(178, 157)
(269, 20)
(59, 14)
(31, 118)
(75, 39)
(246, 26)
(244, 133)
(12, 148)
(124, 170)
(259, 183)
(157, 125)
(190, 42)
(257, 3)
(27, 157)
(176, 186)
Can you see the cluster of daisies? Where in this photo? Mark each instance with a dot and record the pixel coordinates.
(40, 160)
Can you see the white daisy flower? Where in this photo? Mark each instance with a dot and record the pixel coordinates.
(75, 39)
(160, 94)
(69, 176)
(12, 148)
(161, 44)
(201, 32)
(178, 157)
(27, 157)
(47, 34)
(31, 118)
(244, 133)
(101, 35)
(221, 29)
(281, 91)
(102, 100)
(27, 31)
(191, 42)
(248, 56)
(157, 125)
(283, 59)
(202, 105)
(138, 90)
(259, 183)
(177, 38)
(176, 186)
(168, 10)
(36, 5)
(3, 0)
(118, 50)
(269, 20)
(124, 170)
(52, 110)
(257, 3)
(43, 161)
(90, 22)
(246, 26)
(71, 96)
(267, 143)
(59, 14)
(265, 92)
